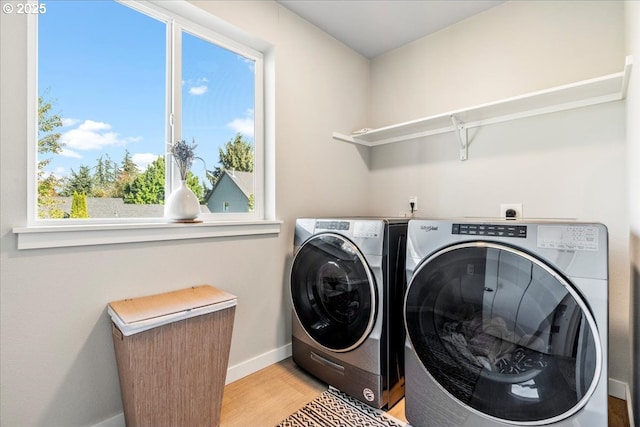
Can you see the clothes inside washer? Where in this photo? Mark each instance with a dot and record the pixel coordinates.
(489, 344)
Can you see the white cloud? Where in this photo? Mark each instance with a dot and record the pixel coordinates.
(197, 86)
(70, 153)
(91, 125)
(92, 135)
(67, 121)
(243, 125)
(142, 160)
(58, 172)
(198, 90)
(250, 62)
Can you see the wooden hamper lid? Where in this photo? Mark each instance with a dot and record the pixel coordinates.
(140, 314)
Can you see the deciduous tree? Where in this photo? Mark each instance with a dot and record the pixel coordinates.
(48, 143)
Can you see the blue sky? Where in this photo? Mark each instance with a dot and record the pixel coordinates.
(102, 65)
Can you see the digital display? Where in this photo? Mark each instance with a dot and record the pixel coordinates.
(499, 230)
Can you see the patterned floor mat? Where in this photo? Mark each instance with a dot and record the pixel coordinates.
(336, 409)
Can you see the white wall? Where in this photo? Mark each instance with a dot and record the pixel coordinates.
(632, 25)
(563, 165)
(509, 50)
(57, 361)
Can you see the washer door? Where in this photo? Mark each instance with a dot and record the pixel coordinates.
(503, 333)
(333, 292)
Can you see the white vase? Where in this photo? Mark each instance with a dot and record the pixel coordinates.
(182, 204)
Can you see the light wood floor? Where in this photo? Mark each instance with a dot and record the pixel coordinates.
(267, 397)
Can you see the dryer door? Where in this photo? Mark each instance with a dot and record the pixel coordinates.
(333, 292)
(503, 333)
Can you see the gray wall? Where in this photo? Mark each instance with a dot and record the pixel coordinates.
(562, 165)
(58, 366)
(632, 25)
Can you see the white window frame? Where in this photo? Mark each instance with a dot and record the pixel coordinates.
(179, 16)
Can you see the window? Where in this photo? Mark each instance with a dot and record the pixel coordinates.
(111, 85)
(117, 82)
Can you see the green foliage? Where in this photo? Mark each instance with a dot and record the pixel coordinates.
(129, 168)
(148, 187)
(80, 182)
(193, 182)
(237, 155)
(79, 206)
(107, 178)
(48, 139)
(251, 202)
(124, 176)
(48, 142)
(48, 205)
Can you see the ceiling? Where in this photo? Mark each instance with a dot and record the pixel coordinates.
(373, 27)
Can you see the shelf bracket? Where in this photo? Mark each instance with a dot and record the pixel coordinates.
(463, 138)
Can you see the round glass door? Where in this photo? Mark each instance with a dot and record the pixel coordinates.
(333, 292)
(503, 333)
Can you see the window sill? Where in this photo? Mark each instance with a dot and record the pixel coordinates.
(60, 236)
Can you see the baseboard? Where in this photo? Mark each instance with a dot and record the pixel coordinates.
(234, 373)
(622, 391)
(117, 421)
(250, 366)
(618, 389)
(630, 406)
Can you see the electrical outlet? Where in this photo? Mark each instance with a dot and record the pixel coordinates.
(504, 207)
(414, 200)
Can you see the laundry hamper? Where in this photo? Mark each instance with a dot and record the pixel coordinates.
(172, 352)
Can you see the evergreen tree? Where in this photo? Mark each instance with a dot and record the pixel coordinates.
(79, 206)
(80, 182)
(105, 177)
(129, 168)
(100, 179)
(100, 174)
(126, 174)
(237, 155)
(111, 170)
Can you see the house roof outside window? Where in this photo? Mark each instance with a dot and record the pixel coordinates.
(112, 207)
(231, 193)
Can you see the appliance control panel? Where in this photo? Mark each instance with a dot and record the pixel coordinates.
(568, 237)
(332, 225)
(498, 230)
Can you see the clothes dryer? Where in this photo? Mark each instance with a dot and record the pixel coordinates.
(347, 287)
(506, 323)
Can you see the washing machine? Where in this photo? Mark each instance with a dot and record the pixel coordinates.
(506, 323)
(347, 287)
